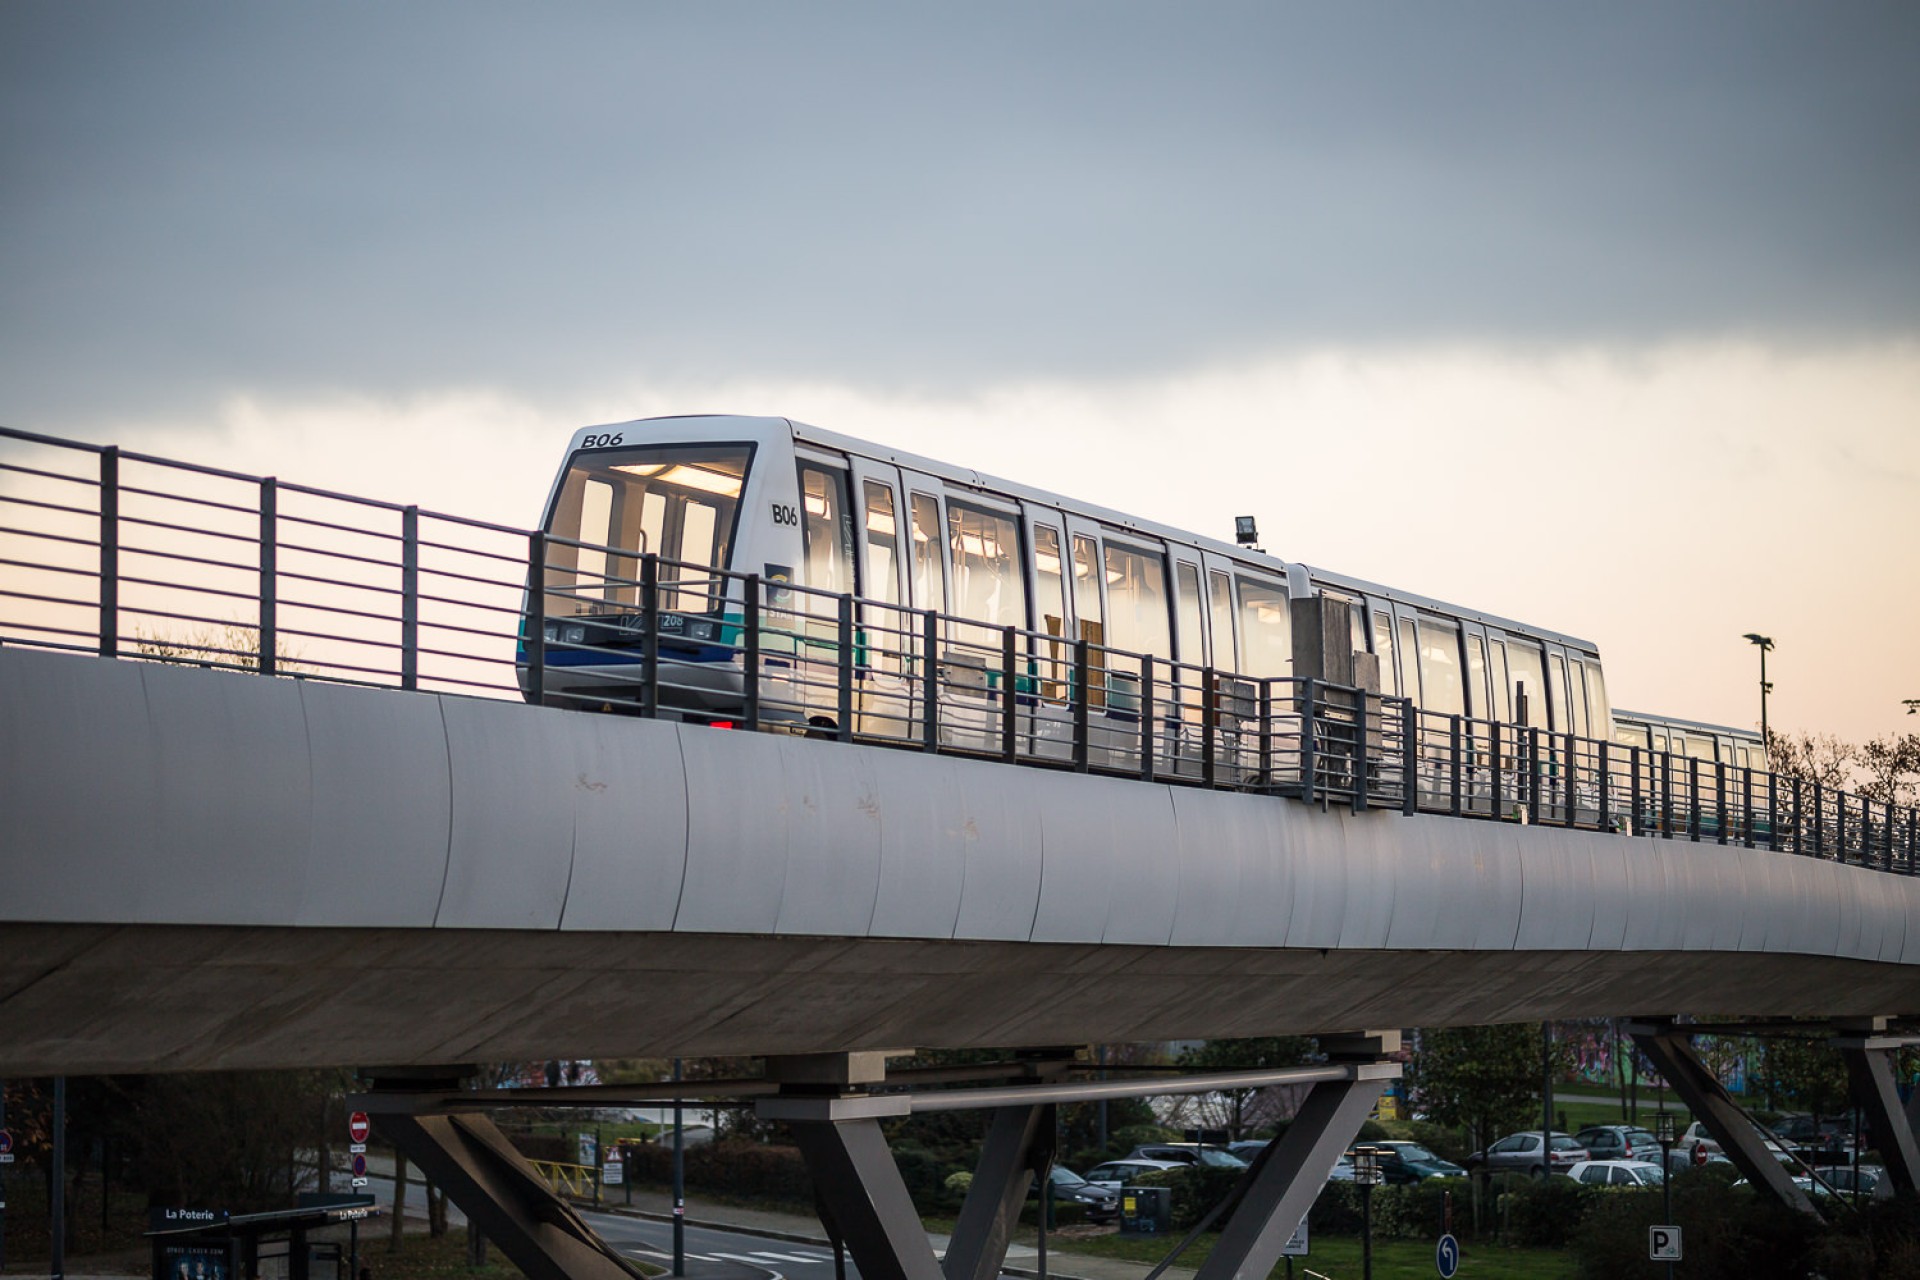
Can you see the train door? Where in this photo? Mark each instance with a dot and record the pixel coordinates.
(1049, 722)
(1265, 618)
(987, 585)
(1223, 651)
(1179, 690)
(883, 695)
(1380, 615)
(925, 553)
(1476, 736)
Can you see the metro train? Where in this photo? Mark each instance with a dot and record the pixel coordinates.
(1735, 748)
(816, 514)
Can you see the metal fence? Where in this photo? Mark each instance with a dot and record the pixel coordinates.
(132, 556)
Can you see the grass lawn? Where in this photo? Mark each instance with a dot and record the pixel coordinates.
(1339, 1257)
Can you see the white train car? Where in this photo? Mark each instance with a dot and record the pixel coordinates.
(816, 516)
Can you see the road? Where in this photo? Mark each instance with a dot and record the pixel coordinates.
(712, 1254)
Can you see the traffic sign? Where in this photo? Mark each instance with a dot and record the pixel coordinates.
(358, 1126)
(359, 1182)
(1296, 1245)
(359, 1166)
(1446, 1257)
(6, 1142)
(1663, 1244)
(357, 1149)
(613, 1173)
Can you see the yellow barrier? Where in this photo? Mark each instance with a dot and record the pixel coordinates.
(566, 1179)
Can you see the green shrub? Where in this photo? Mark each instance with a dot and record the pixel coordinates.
(1416, 1210)
(1542, 1212)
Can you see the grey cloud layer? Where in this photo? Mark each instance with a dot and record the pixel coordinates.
(203, 196)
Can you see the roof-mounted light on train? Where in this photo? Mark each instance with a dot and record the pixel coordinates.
(1246, 531)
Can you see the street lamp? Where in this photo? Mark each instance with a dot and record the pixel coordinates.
(1663, 1132)
(1766, 687)
(1366, 1176)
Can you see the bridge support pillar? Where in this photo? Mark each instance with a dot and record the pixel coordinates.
(1280, 1188)
(472, 1161)
(1670, 1048)
(1870, 1078)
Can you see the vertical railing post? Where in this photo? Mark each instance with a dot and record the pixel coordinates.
(1746, 804)
(1720, 798)
(1634, 799)
(1533, 775)
(536, 617)
(1453, 765)
(650, 635)
(1146, 718)
(1606, 788)
(930, 681)
(410, 598)
(1819, 821)
(1357, 744)
(1495, 768)
(1009, 694)
(750, 661)
(1409, 757)
(1666, 795)
(1309, 742)
(110, 551)
(1209, 722)
(1082, 702)
(843, 670)
(1266, 732)
(1693, 798)
(1799, 818)
(269, 631)
(1569, 772)
(1886, 861)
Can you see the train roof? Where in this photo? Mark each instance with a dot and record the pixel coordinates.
(1678, 722)
(807, 433)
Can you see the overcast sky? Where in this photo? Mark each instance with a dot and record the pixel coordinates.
(1615, 308)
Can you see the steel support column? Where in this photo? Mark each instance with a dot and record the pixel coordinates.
(1670, 1049)
(861, 1189)
(1870, 1078)
(1019, 1148)
(497, 1189)
(1295, 1172)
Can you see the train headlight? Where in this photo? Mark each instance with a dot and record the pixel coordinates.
(573, 634)
(700, 629)
(553, 632)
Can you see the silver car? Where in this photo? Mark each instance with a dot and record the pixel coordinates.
(1520, 1153)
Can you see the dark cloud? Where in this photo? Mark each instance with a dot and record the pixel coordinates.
(203, 196)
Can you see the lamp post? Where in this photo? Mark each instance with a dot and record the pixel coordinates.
(1366, 1176)
(1663, 1131)
(1766, 686)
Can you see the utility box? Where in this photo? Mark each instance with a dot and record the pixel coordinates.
(1146, 1211)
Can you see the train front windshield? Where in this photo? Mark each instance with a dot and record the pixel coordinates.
(675, 501)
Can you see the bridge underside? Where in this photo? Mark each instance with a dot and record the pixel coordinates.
(87, 999)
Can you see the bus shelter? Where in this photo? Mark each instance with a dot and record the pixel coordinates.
(212, 1244)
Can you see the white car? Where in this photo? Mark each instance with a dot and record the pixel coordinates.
(1617, 1173)
(1119, 1173)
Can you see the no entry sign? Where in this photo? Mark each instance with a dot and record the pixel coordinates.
(358, 1127)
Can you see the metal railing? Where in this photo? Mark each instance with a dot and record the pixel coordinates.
(132, 556)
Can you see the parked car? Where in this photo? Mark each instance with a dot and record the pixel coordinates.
(1618, 1173)
(1188, 1153)
(1248, 1148)
(1102, 1203)
(1619, 1142)
(1679, 1161)
(1872, 1181)
(1521, 1153)
(1342, 1170)
(1696, 1135)
(1115, 1174)
(1403, 1162)
(1807, 1133)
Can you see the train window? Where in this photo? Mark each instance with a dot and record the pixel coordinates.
(676, 501)
(1086, 589)
(883, 546)
(1632, 735)
(1383, 645)
(1599, 710)
(1410, 657)
(1050, 580)
(1220, 606)
(1357, 625)
(1266, 630)
(1137, 601)
(1477, 676)
(1188, 577)
(1529, 676)
(826, 528)
(929, 578)
(1561, 723)
(1502, 706)
(988, 584)
(1440, 667)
